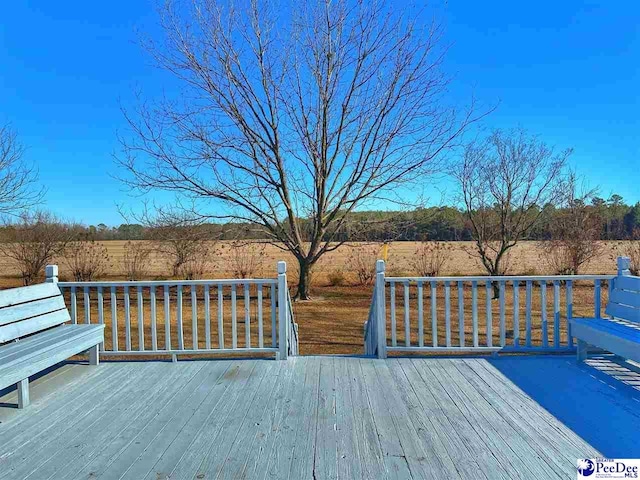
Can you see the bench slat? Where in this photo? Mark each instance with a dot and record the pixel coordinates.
(25, 327)
(623, 311)
(31, 309)
(629, 330)
(613, 342)
(33, 345)
(627, 282)
(48, 358)
(625, 297)
(13, 296)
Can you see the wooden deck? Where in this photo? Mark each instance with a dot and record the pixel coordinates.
(322, 418)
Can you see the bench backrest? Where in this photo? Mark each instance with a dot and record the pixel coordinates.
(624, 299)
(27, 310)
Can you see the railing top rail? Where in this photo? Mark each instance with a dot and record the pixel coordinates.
(159, 283)
(502, 278)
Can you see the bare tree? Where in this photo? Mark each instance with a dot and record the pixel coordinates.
(430, 258)
(86, 259)
(292, 119)
(33, 240)
(505, 180)
(575, 230)
(17, 179)
(136, 259)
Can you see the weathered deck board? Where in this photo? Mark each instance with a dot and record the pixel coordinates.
(317, 417)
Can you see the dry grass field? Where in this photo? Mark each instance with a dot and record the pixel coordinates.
(333, 321)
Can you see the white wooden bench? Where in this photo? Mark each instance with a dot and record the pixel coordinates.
(33, 337)
(619, 334)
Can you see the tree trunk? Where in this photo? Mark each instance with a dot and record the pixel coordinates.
(304, 280)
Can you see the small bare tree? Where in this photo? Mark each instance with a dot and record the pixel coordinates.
(505, 180)
(136, 259)
(184, 242)
(86, 259)
(33, 240)
(430, 258)
(575, 230)
(631, 249)
(247, 259)
(291, 116)
(362, 261)
(18, 191)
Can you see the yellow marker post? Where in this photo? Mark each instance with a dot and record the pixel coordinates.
(385, 251)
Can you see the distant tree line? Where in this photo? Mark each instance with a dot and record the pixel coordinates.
(615, 219)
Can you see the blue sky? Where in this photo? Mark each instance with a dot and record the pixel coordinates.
(566, 70)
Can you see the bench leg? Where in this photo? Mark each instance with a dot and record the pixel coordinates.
(23, 393)
(94, 356)
(582, 350)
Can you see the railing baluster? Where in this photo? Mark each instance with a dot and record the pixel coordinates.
(556, 314)
(167, 319)
(503, 320)
(407, 328)
(74, 307)
(596, 299)
(247, 316)
(528, 294)
(207, 317)
(127, 319)
(474, 312)
(234, 318)
(101, 312)
(569, 294)
(194, 317)
(179, 319)
(392, 294)
(461, 313)
(154, 323)
(489, 293)
(87, 306)
(543, 307)
(434, 315)
(447, 313)
(114, 320)
(260, 320)
(516, 313)
(421, 317)
(273, 316)
(220, 314)
(139, 298)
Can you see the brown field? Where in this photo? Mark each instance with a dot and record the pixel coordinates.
(333, 321)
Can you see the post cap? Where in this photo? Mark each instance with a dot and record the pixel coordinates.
(51, 271)
(379, 266)
(282, 267)
(624, 263)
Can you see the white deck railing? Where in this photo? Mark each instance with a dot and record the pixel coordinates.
(464, 314)
(173, 317)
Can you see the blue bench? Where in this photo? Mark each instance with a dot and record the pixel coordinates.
(619, 334)
(34, 337)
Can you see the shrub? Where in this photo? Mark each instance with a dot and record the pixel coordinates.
(430, 258)
(632, 250)
(86, 259)
(247, 259)
(336, 278)
(363, 263)
(136, 259)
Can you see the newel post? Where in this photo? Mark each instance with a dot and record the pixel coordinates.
(51, 273)
(380, 314)
(624, 264)
(283, 314)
